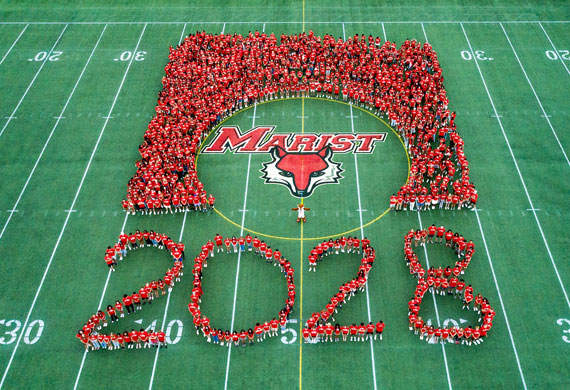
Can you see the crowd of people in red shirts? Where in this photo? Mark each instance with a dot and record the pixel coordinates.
(445, 281)
(209, 77)
(261, 330)
(90, 334)
(318, 327)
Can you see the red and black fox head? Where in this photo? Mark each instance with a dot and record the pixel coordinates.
(301, 172)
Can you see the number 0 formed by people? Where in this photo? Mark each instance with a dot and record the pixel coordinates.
(193, 102)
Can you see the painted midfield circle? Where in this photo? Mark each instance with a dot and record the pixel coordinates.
(303, 150)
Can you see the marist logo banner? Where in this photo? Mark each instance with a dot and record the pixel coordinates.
(301, 162)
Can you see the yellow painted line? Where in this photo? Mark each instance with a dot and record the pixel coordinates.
(301, 317)
(302, 115)
(302, 126)
(302, 131)
(299, 238)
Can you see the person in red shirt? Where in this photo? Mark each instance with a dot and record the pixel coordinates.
(353, 332)
(276, 257)
(467, 333)
(250, 336)
(476, 335)
(320, 333)
(369, 331)
(379, 330)
(448, 238)
(110, 262)
(256, 244)
(459, 288)
(262, 249)
(214, 334)
(328, 332)
(440, 233)
(112, 313)
(136, 300)
(153, 339)
(266, 329)
(312, 263)
(161, 286)
(128, 302)
(445, 335)
(361, 329)
(139, 238)
(228, 243)
(211, 201)
(306, 335)
(127, 340)
(207, 333)
(431, 233)
(119, 309)
(235, 338)
(135, 339)
(219, 241)
(258, 330)
(249, 241)
(153, 289)
(144, 338)
(161, 339)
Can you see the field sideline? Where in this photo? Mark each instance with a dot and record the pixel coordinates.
(78, 90)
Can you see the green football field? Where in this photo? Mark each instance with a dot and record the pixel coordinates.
(79, 84)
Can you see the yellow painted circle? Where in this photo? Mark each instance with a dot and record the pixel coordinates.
(376, 219)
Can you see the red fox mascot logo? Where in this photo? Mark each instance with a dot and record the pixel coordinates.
(301, 172)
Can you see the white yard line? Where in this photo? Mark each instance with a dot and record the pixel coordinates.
(436, 311)
(69, 214)
(168, 297)
(33, 80)
(166, 310)
(361, 237)
(244, 209)
(501, 299)
(433, 295)
(373, 361)
(14, 44)
(533, 209)
(182, 34)
(555, 49)
(309, 21)
(424, 31)
(50, 135)
(535, 95)
(98, 308)
(126, 215)
(495, 280)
